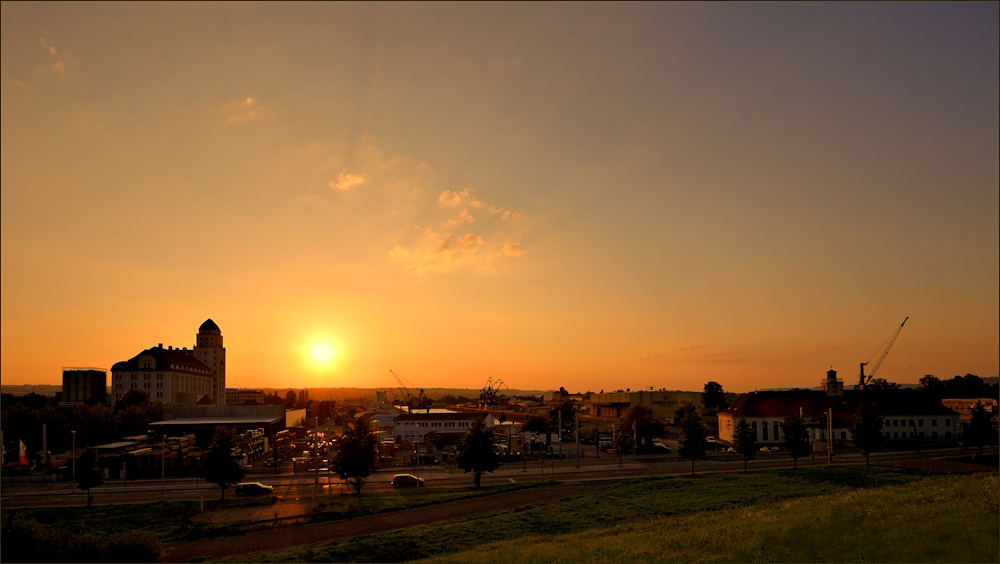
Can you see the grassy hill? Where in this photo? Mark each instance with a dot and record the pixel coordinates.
(812, 514)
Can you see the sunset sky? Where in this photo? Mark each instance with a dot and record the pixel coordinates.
(595, 196)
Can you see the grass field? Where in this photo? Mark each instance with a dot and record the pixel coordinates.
(594, 526)
(172, 520)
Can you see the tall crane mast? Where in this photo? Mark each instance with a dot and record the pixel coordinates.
(402, 387)
(892, 339)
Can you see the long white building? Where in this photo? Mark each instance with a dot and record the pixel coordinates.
(179, 375)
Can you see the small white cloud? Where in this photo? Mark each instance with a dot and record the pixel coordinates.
(346, 181)
(513, 249)
(421, 167)
(454, 199)
(242, 110)
(463, 217)
(470, 240)
(59, 67)
(475, 203)
(51, 49)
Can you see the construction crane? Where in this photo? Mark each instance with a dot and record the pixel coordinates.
(413, 401)
(489, 395)
(863, 381)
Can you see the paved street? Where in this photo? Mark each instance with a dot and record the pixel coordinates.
(295, 492)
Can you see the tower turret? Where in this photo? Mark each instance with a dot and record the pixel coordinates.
(209, 350)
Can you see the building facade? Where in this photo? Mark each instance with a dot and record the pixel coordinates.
(239, 396)
(907, 414)
(413, 426)
(174, 374)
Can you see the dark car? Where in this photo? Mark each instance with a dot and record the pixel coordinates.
(407, 481)
(253, 488)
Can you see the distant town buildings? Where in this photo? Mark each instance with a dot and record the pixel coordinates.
(908, 415)
(240, 396)
(177, 374)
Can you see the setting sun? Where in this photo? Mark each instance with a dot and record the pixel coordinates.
(322, 353)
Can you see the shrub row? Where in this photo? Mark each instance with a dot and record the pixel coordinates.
(26, 540)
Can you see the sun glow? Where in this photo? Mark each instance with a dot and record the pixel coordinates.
(323, 353)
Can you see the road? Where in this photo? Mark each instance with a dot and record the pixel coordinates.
(296, 489)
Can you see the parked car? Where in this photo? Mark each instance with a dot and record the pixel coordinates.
(253, 488)
(407, 481)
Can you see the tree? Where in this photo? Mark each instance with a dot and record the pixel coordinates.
(649, 427)
(134, 396)
(537, 425)
(478, 453)
(693, 444)
(713, 396)
(979, 431)
(796, 438)
(745, 441)
(357, 456)
(881, 384)
(930, 382)
(88, 473)
(683, 411)
(221, 467)
(568, 409)
(866, 431)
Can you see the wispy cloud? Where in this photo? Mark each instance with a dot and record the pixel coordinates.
(346, 181)
(463, 217)
(513, 249)
(453, 199)
(243, 110)
(649, 357)
(690, 347)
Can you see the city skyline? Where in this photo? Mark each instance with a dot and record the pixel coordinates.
(589, 196)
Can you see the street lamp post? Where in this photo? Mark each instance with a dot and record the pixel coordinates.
(163, 467)
(74, 460)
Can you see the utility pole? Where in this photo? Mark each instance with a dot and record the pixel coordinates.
(576, 419)
(635, 439)
(560, 433)
(74, 460)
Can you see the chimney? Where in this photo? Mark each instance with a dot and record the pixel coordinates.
(160, 345)
(170, 348)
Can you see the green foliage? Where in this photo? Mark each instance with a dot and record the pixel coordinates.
(796, 437)
(594, 515)
(866, 431)
(931, 520)
(478, 453)
(88, 473)
(357, 455)
(881, 384)
(713, 395)
(979, 431)
(693, 444)
(25, 540)
(221, 467)
(568, 409)
(649, 427)
(745, 441)
(131, 398)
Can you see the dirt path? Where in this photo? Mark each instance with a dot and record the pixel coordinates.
(307, 534)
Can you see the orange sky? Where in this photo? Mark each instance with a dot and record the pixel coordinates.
(595, 196)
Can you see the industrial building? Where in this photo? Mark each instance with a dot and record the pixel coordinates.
(84, 384)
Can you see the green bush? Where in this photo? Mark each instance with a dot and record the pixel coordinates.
(25, 540)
